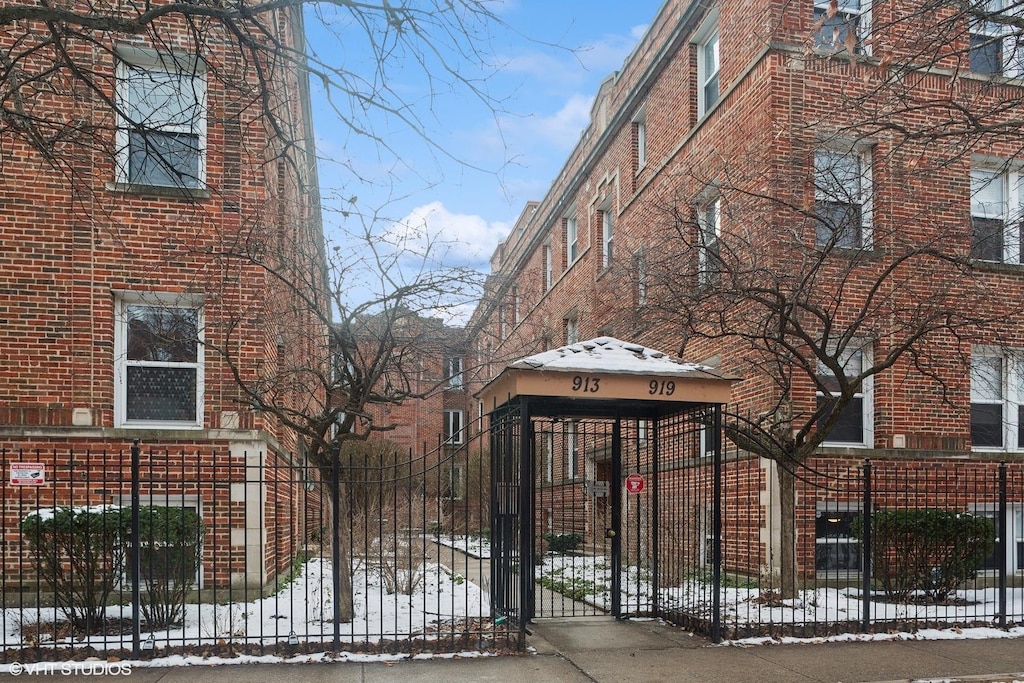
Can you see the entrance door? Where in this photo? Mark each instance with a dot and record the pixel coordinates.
(576, 524)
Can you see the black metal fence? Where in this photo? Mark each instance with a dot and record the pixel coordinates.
(150, 551)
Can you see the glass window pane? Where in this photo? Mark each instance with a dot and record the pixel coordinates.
(163, 159)
(986, 379)
(987, 195)
(163, 334)
(987, 425)
(987, 238)
(850, 427)
(161, 99)
(161, 393)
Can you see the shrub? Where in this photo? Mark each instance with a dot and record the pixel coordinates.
(79, 553)
(562, 543)
(926, 550)
(170, 553)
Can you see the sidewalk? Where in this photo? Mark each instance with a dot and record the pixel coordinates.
(606, 651)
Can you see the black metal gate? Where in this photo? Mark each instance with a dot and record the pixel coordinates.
(594, 505)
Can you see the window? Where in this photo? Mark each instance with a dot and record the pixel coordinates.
(842, 184)
(996, 202)
(640, 139)
(845, 30)
(640, 268)
(572, 247)
(158, 365)
(547, 267)
(161, 134)
(572, 335)
(997, 399)
(454, 488)
(572, 449)
(453, 427)
(709, 232)
(607, 233)
(549, 456)
(855, 425)
(835, 547)
(454, 372)
(994, 45)
(707, 71)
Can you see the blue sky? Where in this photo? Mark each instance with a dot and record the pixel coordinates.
(485, 163)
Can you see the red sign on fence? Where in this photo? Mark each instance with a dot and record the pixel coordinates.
(635, 483)
(27, 474)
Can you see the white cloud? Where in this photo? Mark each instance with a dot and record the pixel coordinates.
(453, 239)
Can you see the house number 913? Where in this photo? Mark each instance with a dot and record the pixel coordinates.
(587, 385)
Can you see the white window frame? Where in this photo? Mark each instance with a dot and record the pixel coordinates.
(862, 192)
(866, 395)
(706, 38)
(1014, 532)
(125, 300)
(640, 122)
(607, 234)
(1009, 208)
(837, 508)
(861, 16)
(572, 240)
(1011, 56)
(709, 224)
(454, 372)
(572, 451)
(454, 426)
(188, 68)
(548, 268)
(1011, 394)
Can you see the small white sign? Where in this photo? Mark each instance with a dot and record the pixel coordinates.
(28, 474)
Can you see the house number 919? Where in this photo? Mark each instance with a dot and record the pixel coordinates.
(587, 385)
(662, 388)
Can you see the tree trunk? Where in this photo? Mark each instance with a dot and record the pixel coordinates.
(341, 551)
(787, 534)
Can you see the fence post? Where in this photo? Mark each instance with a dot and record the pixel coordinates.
(1001, 544)
(336, 536)
(716, 522)
(865, 572)
(134, 555)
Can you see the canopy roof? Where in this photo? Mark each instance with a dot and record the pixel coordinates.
(608, 369)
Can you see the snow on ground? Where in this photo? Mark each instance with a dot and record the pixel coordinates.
(305, 606)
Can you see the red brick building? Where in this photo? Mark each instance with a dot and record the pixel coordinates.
(750, 160)
(136, 255)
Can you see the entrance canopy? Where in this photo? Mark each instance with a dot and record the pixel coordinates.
(607, 376)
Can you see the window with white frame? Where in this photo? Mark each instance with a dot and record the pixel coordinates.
(856, 421)
(453, 372)
(997, 399)
(709, 233)
(549, 456)
(158, 363)
(572, 450)
(453, 427)
(548, 267)
(572, 244)
(161, 133)
(607, 235)
(835, 547)
(843, 28)
(995, 44)
(842, 198)
(997, 200)
(708, 64)
(640, 138)
(1013, 560)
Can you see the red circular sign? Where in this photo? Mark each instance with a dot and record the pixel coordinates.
(635, 483)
